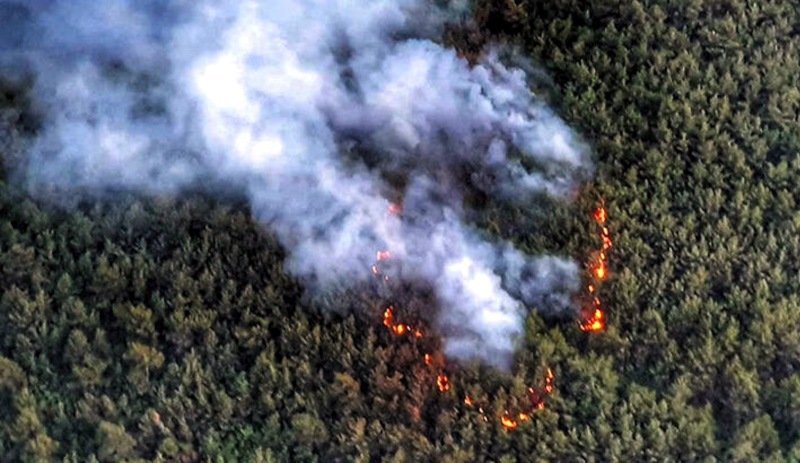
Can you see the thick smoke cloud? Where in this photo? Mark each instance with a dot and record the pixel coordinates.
(281, 99)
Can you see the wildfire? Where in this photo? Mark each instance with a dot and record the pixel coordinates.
(388, 316)
(595, 322)
(443, 382)
(594, 318)
(600, 271)
(536, 395)
(606, 238)
(548, 382)
(399, 329)
(508, 422)
(600, 215)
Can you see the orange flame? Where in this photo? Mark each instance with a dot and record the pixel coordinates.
(536, 396)
(388, 315)
(388, 321)
(600, 271)
(548, 382)
(600, 215)
(443, 382)
(507, 422)
(595, 323)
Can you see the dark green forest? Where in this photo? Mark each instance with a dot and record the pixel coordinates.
(165, 329)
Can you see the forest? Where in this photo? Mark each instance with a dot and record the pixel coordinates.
(166, 329)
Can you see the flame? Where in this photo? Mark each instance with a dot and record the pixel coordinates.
(536, 395)
(508, 422)
(600, 271)
(595, 323)
(388, 321)
(600, 215)
(511, 420)
(388, 315)
(548, 382)
(443, 382)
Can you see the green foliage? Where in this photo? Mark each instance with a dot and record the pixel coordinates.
(114, 444)
(167, 330)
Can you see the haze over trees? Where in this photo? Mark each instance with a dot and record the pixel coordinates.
(167, 330)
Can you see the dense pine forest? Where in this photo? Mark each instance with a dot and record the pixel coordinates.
(166, 329)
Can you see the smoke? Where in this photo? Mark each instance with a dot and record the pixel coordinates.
(319, 110)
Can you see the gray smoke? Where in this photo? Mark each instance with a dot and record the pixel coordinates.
(309, 106)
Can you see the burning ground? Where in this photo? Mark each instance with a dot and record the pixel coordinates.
(356, 139)
(593, 320)
(164, 329)
(318, 113)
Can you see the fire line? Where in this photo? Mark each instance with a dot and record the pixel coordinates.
(594, 318)
(535, 395)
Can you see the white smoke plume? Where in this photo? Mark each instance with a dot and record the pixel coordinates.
(280, 99)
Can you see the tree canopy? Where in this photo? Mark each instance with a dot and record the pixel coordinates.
(166, 329)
